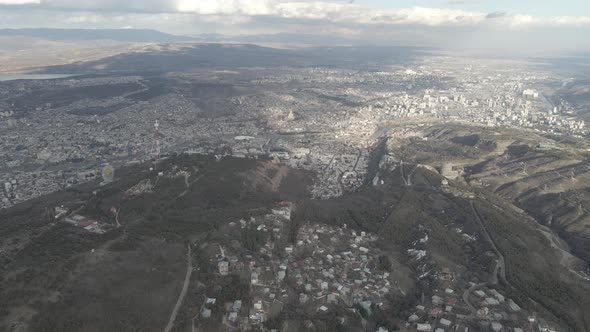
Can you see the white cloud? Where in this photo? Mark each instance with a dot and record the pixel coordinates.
(425, 16)
(132, 6)
(19, 2)
(228, 7)
(330, 11)
(567, 20)
(326, 11)
(353, 13)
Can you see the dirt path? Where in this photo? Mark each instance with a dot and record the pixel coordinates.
(186, 184)
(187, 279)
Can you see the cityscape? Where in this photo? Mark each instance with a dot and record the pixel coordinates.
(294, 165)
(332, 132)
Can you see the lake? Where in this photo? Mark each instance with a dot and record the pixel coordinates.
(11, 77)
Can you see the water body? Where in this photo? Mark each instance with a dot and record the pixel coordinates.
(12, 77)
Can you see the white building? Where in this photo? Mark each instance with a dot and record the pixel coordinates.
(424, 327)
(223, 268)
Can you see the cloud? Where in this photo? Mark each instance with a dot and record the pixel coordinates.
(324, 11)
(328, 11)
(348, 22)
(137, 6)
(19, 2)
(229, 7)
(424, 16)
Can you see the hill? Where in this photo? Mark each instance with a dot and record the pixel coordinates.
(56, 276)
(120, 35)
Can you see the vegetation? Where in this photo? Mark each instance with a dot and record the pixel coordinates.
(535, 276)
(252, 239)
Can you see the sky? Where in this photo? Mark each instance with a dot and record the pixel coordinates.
(534, 26)
(530, 7)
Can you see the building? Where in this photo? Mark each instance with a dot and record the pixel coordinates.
(480, 293)
(244, 138)
(424, 327)
(223, 268)
(513, 306)
(491, 301)
(237, 305)
(496, 326)
(445, 322)
(75, 219)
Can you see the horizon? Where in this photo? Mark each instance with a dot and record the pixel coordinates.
(524, 28)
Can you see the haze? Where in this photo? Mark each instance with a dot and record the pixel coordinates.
(501, 27)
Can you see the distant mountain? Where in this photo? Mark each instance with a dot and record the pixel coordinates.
(155, 36)
(122, 35)
(284, 38)
(235, 55)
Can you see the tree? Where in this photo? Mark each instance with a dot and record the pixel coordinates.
(384, 263)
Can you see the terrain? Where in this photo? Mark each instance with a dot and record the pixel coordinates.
(575, 92)
(185, 186)
(133, 274)
(58, 277)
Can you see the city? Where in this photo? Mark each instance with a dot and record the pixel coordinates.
(294, 165)
(330, 130)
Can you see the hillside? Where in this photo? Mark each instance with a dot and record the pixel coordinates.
(134, 273)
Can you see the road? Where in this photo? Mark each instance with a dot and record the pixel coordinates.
(499, 268)
(187, 279)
